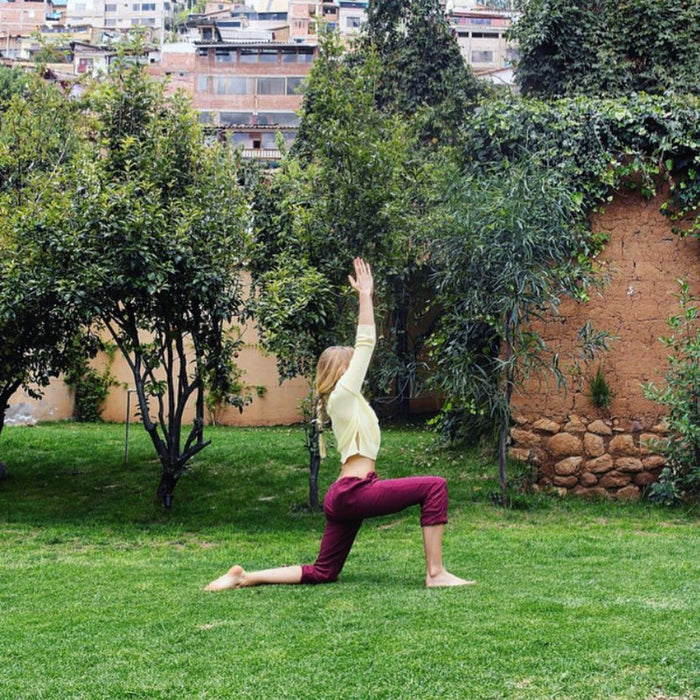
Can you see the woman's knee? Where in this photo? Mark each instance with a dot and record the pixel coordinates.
(318, 574)
(434, 508)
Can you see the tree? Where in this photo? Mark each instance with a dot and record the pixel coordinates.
(39, 138)
(423, 74)
(159, 231)
(505, 254)
(355, 184)
(607, 47)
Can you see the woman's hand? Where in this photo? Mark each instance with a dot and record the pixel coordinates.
(363, 282)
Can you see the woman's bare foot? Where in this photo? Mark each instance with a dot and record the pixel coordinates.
(445, 578)
(231, 579)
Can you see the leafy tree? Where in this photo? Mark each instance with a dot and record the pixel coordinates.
(423, 74)
(159, 230)
(607, 47)
(39, 137)
(505, 253)
(13, 81)
(353, 186)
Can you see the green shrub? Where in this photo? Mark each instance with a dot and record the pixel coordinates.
(681, 396)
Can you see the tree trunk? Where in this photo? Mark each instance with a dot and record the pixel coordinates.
(505, 418)
(403, 383)
(166, 488)
(314, 463)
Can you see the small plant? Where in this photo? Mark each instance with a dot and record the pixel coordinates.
(90, 387)
(599, 391)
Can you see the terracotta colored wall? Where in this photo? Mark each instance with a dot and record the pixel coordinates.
(644, 260)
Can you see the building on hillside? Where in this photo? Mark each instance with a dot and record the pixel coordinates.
(352, 15)
(304, 17)
(20, 18)
(246, 90)
(481, 35)
(155, 15)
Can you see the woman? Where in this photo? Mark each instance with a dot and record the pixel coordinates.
(358, 493)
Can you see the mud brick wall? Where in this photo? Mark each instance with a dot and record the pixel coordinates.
(575, 445)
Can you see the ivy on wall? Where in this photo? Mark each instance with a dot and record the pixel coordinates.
(599, 145)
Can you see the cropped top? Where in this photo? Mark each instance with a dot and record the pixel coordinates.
(355, 424)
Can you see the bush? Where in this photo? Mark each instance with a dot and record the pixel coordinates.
(681, 396)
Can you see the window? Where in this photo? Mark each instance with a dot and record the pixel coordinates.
(268, 55)
(512, 55)
(271, 86)
(289, 56)
(202, 83)
(148, 7)
(482, 56)
(110, 23)
(149, 21)
(202, 53)
(485, 35)
(269, 140)
(281, 118)
(233, 85)
(293, 85)
(352, 22)
(206, 33)
(235, 118)
(306, 55)
(249, 56)
(136, 7)
(204, 117)
(80, 7)
(224, 55)
(112, 7)
(241, 86)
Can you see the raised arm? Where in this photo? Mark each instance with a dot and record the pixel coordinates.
(363, 284)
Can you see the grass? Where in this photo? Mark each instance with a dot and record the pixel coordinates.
(101, 590)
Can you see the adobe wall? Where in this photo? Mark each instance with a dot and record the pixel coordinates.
(279, 404)
(576, 446)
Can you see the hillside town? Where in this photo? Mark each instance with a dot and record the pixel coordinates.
(242, 64)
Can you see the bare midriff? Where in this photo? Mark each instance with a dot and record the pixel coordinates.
(357, 466)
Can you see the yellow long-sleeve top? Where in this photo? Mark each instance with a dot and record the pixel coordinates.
(355, 424)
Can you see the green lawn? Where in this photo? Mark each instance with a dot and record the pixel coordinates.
(101, 590)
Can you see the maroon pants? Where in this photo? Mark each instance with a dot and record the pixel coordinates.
(351, 499)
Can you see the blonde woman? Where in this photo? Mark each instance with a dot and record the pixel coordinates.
(358, 493)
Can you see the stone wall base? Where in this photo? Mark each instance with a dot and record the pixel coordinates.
(589, 456)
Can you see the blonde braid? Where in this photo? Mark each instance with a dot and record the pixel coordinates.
(319, 428)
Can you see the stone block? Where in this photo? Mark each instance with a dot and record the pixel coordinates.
(568, 466)
(520, 419)
(599, 427)
(623, 446)
(661, 427)
(546, 425)
(654, 462)
(644, 478)
(519, 454)
(588, 479)
(564, 445)
(648, 442)
(628, 493)
(628, 464)
(567, 482)
(599, 465)
(575, 426)
(592, 492)
(524, 438)
(593, 444)
(614, 480)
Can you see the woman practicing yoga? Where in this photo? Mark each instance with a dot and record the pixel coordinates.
(357, 493)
